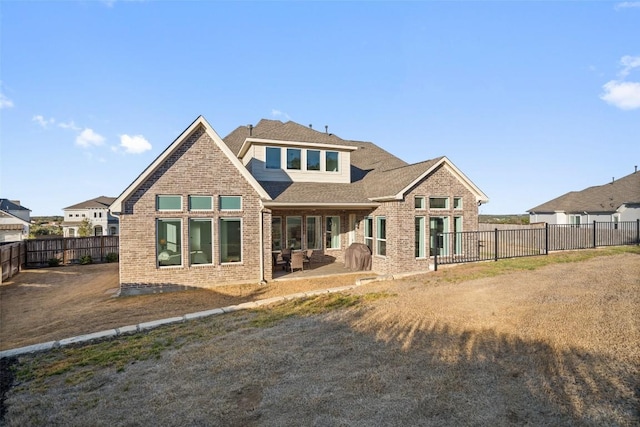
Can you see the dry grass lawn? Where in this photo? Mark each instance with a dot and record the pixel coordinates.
(542, 341)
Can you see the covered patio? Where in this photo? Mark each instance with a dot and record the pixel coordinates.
(317, 269)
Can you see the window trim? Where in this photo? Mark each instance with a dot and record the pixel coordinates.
(318, 234)
(292, 149)
(210, 220)
(369, 224)
(421, 241)
(221, 209)
(158, 196)
(159, 244)
(319, 160)
(445, 198)
(423, 204)
(381, 239)
(192, 196)
(326, 157)
(220, 221)
(330, 233)
(266, 158)
(460, 205)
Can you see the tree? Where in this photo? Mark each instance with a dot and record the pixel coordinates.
(86, 228)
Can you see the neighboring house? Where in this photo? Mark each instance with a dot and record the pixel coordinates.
(616, 201)
(14, 221)
(210, 211)
(97, 212)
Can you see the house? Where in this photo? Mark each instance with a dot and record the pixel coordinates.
(211, 211)
(15, 220)
(616, 201)
(96, 211)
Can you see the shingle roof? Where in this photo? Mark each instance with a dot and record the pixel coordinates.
(7, 205)
(602, 198)
(374, 171)
(101, 202)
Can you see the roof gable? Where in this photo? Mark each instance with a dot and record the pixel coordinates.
(116, 206)
(7, 205)
(101, 202)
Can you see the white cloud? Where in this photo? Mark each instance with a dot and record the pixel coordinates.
(278, 113)
(5, 102)
(134, 144)
(42, 121)
(70, 125)
(88, 138)
(628, 63)
(624, 95)
(627, 5)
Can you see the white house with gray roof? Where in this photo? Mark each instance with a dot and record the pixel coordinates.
(616, 201)
(97, 212)
(15, 220)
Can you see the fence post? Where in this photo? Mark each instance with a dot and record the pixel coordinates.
(546, 238)
(435, 255)
(594, 234)
(638, 231)
(495, 246)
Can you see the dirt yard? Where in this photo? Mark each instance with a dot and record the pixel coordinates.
(554, 345)
(50, 304)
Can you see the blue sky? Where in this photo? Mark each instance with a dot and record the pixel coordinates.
(529, 99)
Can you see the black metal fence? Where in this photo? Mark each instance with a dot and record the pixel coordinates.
(471, 246)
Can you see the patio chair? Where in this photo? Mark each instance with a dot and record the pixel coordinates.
(279, 261)
(307, 256)
(297, 261)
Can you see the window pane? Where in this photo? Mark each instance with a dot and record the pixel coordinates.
(419, 203)
(230, 203)
(276, 234)
(313, 160)
(381, 235)
(169, 245)
(273, 158)
(293, 158)
(332, 161)
(333, 232)
(314, 233)
(368, 233)
(294, 232)
(439, 202)
(169, 203)
(457, 203)
(200, 237)
(230, 240)
(420, 222)
(200, 203)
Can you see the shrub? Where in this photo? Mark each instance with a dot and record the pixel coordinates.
(86, 259)
(112, 257)
(53, 262)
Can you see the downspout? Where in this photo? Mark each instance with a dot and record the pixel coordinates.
(262, 280)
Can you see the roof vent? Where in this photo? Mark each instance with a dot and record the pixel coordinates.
(310, 126)
(326, 128)
(250, 126)
(636, 166)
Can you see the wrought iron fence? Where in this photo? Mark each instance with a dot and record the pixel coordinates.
(471, 246)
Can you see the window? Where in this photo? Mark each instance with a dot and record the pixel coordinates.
(574, 220)
(276, 233)
(368, 233)
(169, 203)
(457, 235)
(169, 244)
(200, 203)
(230, 240)
(95, 214)
(293, 158)
(112, 231)
(230, 203)
(381, 236)
(273, 158)
(439, 202)
(314, 232)
(200, 241)
(294, 232)
(97, 231)
(331, 158)
(420, 240)
(72, 232)
(100, 215)
(419, 202)
(439, 239)
(333, 232)
(313, 160)
(457, 203)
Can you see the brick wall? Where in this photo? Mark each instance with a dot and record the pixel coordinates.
(198, 167)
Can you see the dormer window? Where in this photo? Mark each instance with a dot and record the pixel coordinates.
(331, 161)
(273, 158)
(294, 158)
(313, 160)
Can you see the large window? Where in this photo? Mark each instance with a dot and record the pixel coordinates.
(368, 233)
(333, 232)
(294, 232)
(276, 233)
(273, 158)
(331, 158)
(294, 158)
(168, 203)
(439, 202)
(420, 240)
(200, 241)
(381, 236)
(313, 160)
(169, 242)
(314, 232)
(230, 203)
(200, 203)
(230, 240)
(439, 242)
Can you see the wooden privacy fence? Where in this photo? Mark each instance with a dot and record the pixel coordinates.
(69, 250)
(539, 239)
(13, 258)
